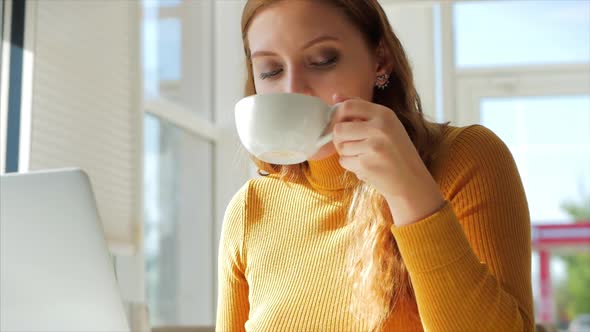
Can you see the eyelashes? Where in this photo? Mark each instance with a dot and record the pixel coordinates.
(326, 62)
(322, 64)
(266, 75)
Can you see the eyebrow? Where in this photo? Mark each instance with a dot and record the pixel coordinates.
(307, 45)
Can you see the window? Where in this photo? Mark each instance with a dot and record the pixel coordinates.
(180, 142)
(3, 91)
(522, 69)
(550, 139)
(178, 228)
(505, 33)
(541, 112)
(177, 54)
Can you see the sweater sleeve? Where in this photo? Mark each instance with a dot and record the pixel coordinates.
(470, 262)
(232, 301)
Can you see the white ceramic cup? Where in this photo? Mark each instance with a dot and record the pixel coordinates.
(283, 128)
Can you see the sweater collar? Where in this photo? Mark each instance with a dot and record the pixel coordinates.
(328, 175)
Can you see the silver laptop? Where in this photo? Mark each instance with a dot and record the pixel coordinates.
(56, 273)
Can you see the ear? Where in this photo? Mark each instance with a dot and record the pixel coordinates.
(384, 63)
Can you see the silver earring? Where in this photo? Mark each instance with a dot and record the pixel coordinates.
(382, 81)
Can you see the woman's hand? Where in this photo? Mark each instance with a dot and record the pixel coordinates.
(373, 144)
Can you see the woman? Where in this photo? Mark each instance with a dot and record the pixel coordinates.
(399, 224)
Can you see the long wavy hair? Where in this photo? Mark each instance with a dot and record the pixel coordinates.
(376, 268)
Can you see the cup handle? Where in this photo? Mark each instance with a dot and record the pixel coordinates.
(323, 140)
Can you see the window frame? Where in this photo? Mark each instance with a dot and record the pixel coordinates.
(461, 89)
(190, 122)
(473, 85)
(218, 129)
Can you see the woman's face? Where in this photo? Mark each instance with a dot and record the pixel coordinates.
(311, 48)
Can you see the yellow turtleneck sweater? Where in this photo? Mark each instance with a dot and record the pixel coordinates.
(283, 245)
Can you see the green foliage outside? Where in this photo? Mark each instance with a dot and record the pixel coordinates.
(573, 295)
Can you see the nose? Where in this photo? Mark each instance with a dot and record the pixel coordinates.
(297, 82)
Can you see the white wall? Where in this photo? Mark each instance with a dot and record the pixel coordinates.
(81, 104)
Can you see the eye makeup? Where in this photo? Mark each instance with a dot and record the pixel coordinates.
(321, 59)
(324, 58)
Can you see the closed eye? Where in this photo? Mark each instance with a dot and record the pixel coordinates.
(270, 74)
(322, 64)
(326, 62)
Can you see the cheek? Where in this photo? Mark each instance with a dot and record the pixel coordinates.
(353, 83)
(343, 79)
(266, 86)
(365, 84)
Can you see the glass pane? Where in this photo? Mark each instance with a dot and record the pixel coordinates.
(178, 228)
(161, 3)
(559, 277)
(169, 52)
(175, 53)
(549, 137)
(503, 33)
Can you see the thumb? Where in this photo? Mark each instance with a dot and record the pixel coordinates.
(338, 98)
(338, 116)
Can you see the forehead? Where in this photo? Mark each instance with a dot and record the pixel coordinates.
(290, 24)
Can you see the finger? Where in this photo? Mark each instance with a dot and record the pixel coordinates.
(354, 109)
(352, 148)
(351, 131)
(353, 164)
(339, 98)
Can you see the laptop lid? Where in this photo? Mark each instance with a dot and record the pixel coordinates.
(56, 273)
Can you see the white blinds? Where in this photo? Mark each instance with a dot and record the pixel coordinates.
(86, 104)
